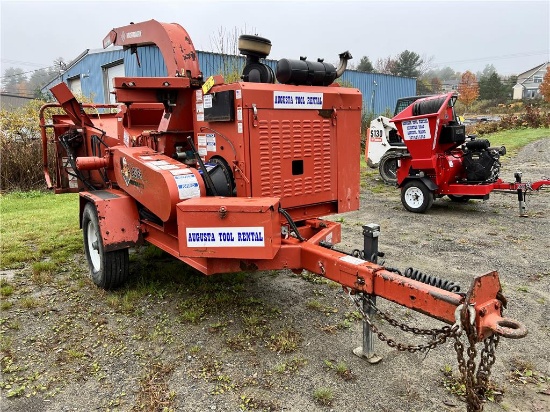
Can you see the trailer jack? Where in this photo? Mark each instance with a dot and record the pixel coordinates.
(475, 378)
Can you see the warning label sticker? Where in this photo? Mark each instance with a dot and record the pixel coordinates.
(207, 101)
(210, 142)
(188, 186)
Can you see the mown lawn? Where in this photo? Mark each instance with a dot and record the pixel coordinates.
(38, 228)
(514, 140)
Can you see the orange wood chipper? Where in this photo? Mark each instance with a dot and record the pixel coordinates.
(235, 176)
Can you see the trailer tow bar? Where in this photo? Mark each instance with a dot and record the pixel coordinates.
(475, 377)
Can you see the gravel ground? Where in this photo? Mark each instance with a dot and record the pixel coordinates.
(279, 341)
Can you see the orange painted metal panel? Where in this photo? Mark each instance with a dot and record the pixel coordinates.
(229, 227)
(173, 41)
(307, 157)
(156, 181)
(118, 217)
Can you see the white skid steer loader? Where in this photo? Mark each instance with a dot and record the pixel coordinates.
(385, 146)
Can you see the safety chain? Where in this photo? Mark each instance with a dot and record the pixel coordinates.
(476, 384)
(439, 336)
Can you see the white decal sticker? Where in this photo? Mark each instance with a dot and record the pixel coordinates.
(188, 186)
(238, 94)
(416, 129)
(168, 167)
(201, 139)
(126, 138)
(156, 164)
(207, 101)
(133, 34)
(200, 117)
(352, 260)
(239, 114)
(211, 142)
(159, 163)
(202, 151)
(198, 95)
(239, 127)
(200, 108)
(297, 100)
(180, 172)
(225, 237)
(146, 158)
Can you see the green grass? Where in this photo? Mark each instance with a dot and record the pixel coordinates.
(35, 225)
(514, 140)
(323, 396)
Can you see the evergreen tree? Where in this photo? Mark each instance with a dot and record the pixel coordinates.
(365, 65)
(408, 64)
(14, 80)
(491, 87)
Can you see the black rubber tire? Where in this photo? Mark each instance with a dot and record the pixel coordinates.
(458, 198)
(387, 167)
(108, 270)
(416, 197)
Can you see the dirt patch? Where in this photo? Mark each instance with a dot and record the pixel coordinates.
(277, 341)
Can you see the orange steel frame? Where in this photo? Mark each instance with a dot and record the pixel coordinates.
(117, 203)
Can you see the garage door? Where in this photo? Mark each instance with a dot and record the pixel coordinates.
(110, 74)
(76, 86)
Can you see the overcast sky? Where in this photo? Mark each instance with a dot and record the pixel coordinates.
(514, 36)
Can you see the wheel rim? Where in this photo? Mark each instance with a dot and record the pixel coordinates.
(93, 247)
(390, 168)
(414, 197)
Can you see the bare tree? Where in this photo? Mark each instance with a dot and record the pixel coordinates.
(385, 66)
(226, 43)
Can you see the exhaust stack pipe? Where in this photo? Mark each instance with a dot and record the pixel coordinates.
(344, 57)
(304, 72)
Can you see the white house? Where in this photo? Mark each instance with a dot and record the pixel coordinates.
(529, 82)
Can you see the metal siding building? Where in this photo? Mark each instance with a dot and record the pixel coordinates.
(380, 91)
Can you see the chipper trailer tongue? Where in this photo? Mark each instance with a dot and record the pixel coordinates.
(441, 160)
(233, 177)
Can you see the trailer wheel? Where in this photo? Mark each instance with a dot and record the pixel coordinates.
(458, 198)
(416, 197)
(388, 167)
(108, 270)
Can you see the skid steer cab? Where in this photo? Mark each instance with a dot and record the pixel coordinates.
(383, 146)
(441, 160)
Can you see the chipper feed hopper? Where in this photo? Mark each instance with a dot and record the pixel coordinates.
(233, 177)
(441, 160)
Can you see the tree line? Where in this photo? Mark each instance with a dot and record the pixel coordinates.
(28, 84)
(490, 85)
(484, 85)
